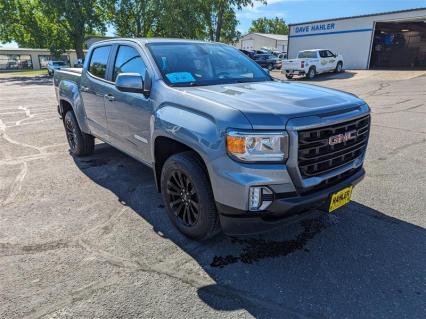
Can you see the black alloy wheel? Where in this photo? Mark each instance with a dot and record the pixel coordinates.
(183, 198)
(188, 196)
(80, 143)
(70, 130)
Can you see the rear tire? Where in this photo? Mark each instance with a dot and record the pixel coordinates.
(339, 67)
(311, 73)
(81, 144)
(188, 196)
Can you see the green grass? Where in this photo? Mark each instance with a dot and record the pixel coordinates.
(29, 72)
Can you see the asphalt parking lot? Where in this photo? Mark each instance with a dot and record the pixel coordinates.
(90, 237)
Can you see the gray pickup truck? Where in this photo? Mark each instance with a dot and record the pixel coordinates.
(230, 147)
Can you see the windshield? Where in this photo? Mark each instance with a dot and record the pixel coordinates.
(191, 64)
(307, 54)
(58, 63)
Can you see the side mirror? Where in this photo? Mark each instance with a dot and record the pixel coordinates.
(129, 82)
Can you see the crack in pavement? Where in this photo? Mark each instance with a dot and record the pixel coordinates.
(380, 88)
(16, 185)
(399, 111)
(168, 267)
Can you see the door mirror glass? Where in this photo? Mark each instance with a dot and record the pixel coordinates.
(129, 82)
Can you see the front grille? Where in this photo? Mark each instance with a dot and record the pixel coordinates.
(316, 156)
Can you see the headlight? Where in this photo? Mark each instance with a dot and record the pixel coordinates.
(257, 147)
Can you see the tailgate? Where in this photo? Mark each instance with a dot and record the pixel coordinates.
(291, 64)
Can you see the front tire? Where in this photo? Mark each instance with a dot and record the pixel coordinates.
(289, 76)
(311, 73)
(188, 196)
(81, 144)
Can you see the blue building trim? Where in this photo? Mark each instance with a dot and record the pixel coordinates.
(329, 33)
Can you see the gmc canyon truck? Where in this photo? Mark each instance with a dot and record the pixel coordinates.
(230, 147)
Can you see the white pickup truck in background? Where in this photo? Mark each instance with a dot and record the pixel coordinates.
(312, 62)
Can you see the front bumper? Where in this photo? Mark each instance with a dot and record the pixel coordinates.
(286, 208)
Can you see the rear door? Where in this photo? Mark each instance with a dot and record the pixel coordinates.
(94, 86)
(128, 114)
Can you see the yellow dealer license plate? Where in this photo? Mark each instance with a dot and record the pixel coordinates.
(340, 198)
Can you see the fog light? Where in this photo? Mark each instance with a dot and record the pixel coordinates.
(260, 197)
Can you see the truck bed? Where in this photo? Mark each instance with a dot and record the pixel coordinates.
(70, 74)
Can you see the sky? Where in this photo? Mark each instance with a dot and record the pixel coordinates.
(293, 11)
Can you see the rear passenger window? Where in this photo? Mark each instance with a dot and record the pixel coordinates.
(98, 61)
(128, 61)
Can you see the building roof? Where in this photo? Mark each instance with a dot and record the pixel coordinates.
(279, 37)
(27, 49)
(359, 16)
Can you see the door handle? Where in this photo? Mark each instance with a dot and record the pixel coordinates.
(84, 88)
(110, 97)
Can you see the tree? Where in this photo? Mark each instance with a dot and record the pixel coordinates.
(159, 18)
(55, 24)
(25, 23)
(214, 20)
(134, 18)
(77, 18)
(220, 18)
(265, 25)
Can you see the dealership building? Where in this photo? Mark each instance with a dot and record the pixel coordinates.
(391, 40)
(257, 41)
(16, 59)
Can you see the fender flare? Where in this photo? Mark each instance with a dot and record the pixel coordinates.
(69, 91)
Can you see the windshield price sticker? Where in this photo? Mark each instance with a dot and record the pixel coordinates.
(180, 77)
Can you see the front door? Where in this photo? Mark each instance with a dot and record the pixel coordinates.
(128, 114)
(332, 60)
(323, 65)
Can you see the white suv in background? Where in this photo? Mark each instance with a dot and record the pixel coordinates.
(312, 62)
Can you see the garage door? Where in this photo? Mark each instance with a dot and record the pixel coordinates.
(247, 44)
(399, 45)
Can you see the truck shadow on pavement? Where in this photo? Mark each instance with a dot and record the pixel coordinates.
(27, 80)
(325, 77)
(358, 263)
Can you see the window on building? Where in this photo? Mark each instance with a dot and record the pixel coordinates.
(99, 61)
(128, 61)
(15, 62)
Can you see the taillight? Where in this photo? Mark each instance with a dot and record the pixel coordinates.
(302, 64)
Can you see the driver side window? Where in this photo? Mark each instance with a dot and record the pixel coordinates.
(128, 60)
(323, 54)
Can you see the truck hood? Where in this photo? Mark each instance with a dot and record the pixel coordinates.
(272, 104)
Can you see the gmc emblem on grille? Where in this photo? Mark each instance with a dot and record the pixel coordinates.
(340, 138)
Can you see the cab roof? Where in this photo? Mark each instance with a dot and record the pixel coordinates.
(154, 40)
